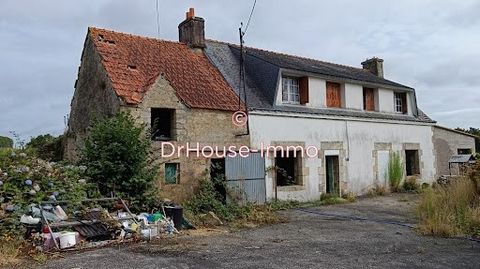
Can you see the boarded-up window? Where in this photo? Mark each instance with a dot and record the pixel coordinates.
(368, 99)
(303, 89)
(171, 173)
(334, 97)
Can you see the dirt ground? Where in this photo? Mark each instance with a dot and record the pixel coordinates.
(371, 233)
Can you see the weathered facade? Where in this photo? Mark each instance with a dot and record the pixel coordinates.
(448, 142)
(352, 118)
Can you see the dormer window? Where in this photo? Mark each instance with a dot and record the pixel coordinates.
(290, 90)
(400, 102)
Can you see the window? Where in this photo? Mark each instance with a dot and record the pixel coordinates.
(287, 168)
(412, 162)
(161, 123)
(464, 151)
(171, 173)
(334, 95)
(400, 102)
(368, 99)
(290, 90)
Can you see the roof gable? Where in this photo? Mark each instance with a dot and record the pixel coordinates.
(133, 63)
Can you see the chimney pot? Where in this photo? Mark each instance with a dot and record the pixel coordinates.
(374, 65)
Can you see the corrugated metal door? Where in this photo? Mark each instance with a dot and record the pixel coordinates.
(246, 177)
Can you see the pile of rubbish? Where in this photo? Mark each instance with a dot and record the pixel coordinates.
(109, 220)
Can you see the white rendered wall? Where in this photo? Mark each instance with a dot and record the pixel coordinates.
(362, 135)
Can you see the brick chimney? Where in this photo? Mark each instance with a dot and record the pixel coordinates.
(191, 31)
(374, 65)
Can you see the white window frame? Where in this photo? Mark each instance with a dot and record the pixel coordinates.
(398, 102)
(290, 90)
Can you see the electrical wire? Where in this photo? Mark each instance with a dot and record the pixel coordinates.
(250, 17)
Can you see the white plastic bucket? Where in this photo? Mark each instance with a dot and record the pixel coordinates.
(67, 239)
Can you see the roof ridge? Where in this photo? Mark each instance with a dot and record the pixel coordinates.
(134, 35)
(289, 55)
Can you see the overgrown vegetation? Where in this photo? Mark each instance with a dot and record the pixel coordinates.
(452, 209)
(377, 190)
(10, 250)
(6, 142)
(395, 171)
(116, 155)
(47, 147)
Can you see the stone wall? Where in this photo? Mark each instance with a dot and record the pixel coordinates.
(93, 98)
(207, 127)
(446, 143)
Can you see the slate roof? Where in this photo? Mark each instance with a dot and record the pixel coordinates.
(262, 74)
(133, 63)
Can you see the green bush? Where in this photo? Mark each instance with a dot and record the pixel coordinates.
(47, 147)
(6, 142)
(395, 171)
(116, 155)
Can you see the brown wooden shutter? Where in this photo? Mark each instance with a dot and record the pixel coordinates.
(368, 99)
(404, 103)
(334, 98)
(303, 90)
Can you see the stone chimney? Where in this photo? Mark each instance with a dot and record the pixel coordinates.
(374, 65)
(191, 31)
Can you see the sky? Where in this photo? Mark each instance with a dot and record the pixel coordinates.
(431, 45)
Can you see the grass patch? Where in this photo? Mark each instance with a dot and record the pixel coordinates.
(10, 251)
(395, 171)
(452, 209)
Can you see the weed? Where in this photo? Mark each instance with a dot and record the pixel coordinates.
(395, 171)
(350, 197)
(411, 185)
(10, 250)
(377, 190)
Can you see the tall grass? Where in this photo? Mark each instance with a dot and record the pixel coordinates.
(451, 210)
(395, 171)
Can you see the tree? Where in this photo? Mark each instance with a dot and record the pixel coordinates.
(47, 147)
(116, 154)
(6, 142)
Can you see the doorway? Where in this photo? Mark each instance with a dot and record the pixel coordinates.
(217, 175)
(333, 181)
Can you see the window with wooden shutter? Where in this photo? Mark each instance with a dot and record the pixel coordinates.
(368, 99)
(290, 90)
(303, 90)
(334, 97)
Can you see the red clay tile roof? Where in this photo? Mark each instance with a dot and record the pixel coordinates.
(133, 63)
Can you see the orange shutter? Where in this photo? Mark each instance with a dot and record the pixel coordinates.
(303, 90)
(368, 99)
(334, 98)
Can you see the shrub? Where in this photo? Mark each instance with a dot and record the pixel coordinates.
(377, 190)
(6, 142)
(411, 185)
(47, 147)
(116, 155)
(395, 171)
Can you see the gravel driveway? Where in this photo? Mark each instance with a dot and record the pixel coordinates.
(371, 233)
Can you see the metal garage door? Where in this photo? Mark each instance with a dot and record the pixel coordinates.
(246, 177)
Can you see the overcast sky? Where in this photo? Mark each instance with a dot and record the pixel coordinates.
(433, 46)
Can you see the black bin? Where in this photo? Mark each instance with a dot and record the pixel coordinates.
(176, 214)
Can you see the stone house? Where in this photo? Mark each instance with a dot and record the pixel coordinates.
(351, 118)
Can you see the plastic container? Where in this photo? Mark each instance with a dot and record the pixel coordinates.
(68, 239)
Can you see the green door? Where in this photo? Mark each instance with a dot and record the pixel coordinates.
(332, 175)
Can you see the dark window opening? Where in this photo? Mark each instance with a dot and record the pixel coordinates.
(217, 176)
(162, 122)
(287, 169)
(412, 162)
(172, 173)
(464, 151)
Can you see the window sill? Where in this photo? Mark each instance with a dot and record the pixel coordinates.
(291, 188)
